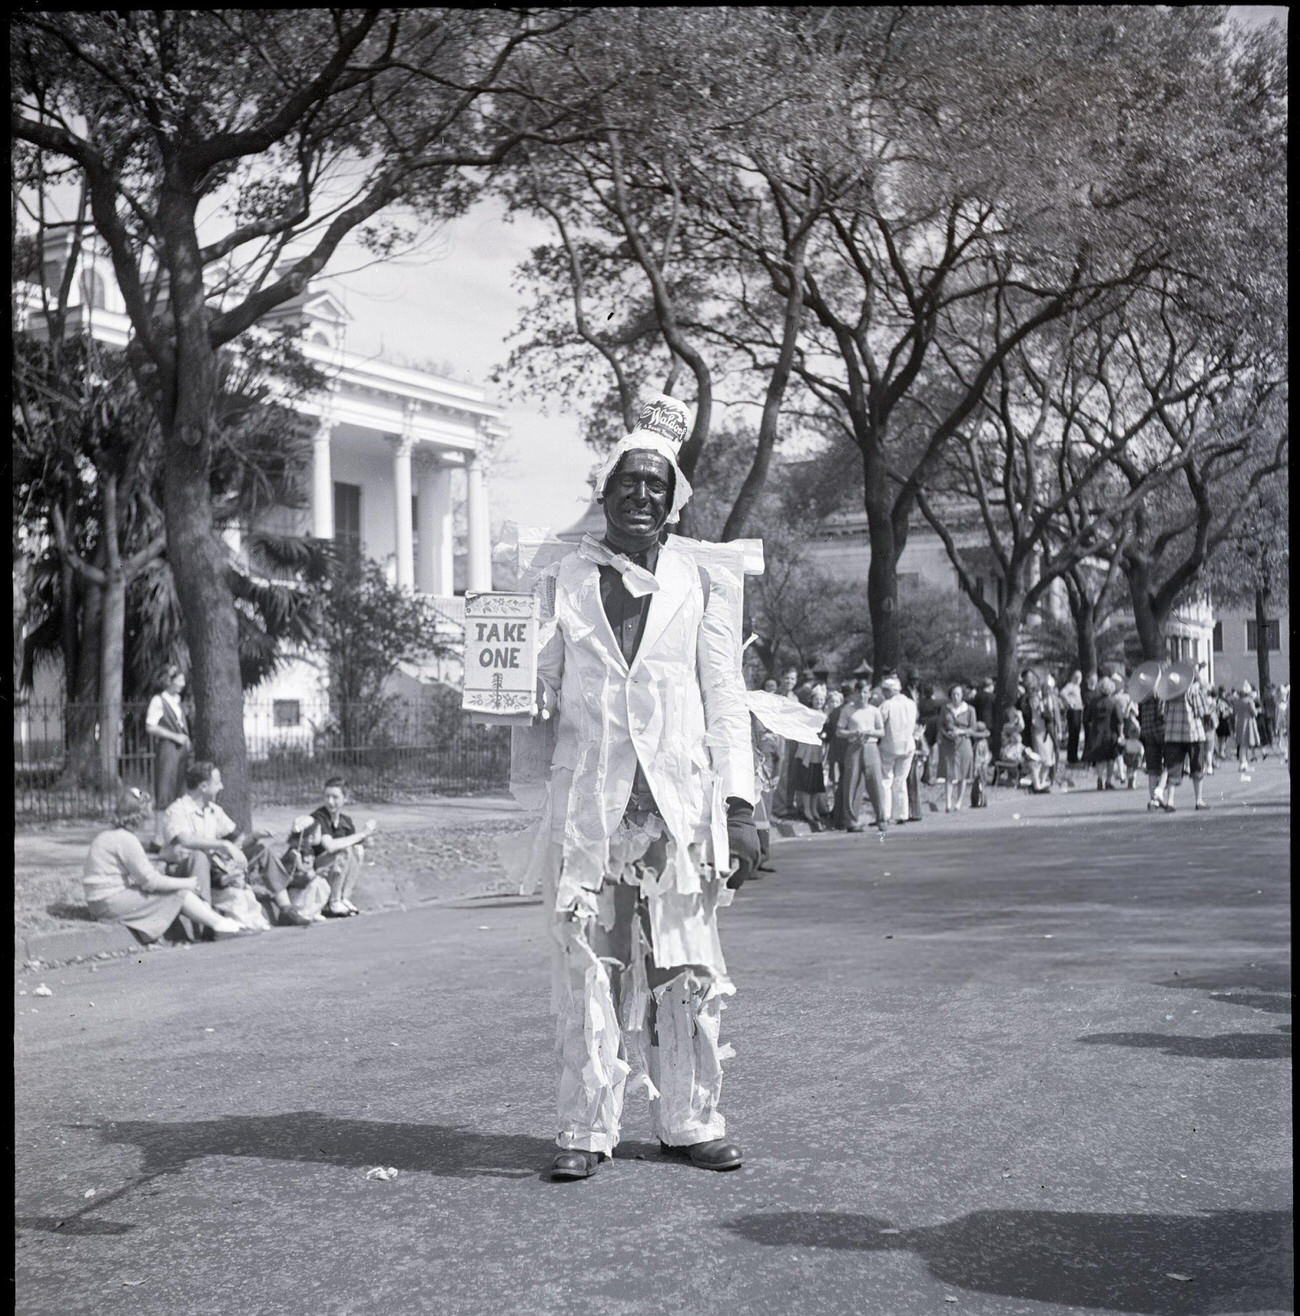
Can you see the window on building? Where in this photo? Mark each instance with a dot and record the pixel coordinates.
(286, 713)
(1218, 637)
(1272, 636)
(347, 518)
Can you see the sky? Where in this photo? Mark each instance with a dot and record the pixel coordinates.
(452, 305)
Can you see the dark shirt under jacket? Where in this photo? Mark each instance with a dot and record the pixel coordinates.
(627, 617)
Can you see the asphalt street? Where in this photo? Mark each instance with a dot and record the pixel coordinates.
(1038, 1064)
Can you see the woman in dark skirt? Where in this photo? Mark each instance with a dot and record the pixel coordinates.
(121, 884)
(1102, 724)
(165, 725)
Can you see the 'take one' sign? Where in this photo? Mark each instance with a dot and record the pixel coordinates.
(500, 654)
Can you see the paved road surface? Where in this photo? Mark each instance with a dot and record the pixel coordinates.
(1033, 1065)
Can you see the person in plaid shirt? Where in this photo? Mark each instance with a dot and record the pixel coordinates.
(1185, 741)
(1151, 731)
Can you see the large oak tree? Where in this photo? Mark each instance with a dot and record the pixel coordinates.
(226, 155)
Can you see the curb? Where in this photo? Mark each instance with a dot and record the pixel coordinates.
(98, 941)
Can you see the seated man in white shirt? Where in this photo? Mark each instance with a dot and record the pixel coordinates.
(202, 841)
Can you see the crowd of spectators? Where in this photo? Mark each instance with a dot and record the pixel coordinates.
(198, 876)
(883, 741)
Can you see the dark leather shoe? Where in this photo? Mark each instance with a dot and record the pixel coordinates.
(575, 1164)
(718, 1154)
(289, 917)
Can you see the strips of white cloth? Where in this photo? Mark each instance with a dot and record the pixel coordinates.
(786, 717)
(638, 581)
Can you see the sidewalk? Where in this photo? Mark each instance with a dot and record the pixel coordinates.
(62, 849)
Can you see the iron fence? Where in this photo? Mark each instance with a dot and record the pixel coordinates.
(401, 749)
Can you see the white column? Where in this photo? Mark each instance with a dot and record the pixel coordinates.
(322, 483)
(433, 572)
(479, 549)
(402, 522)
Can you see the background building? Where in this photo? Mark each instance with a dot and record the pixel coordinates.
(397, 472)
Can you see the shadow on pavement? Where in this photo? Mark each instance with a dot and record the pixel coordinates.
(1225, 1261)
(1225, 1046)
(308, 1137)
(1255, 1001)
(318, 1139)
(1267, 977)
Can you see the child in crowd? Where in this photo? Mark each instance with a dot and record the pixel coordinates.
(336, 848)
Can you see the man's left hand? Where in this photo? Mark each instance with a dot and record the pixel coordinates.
(742, 841)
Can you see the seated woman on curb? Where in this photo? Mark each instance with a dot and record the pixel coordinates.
(120, 883)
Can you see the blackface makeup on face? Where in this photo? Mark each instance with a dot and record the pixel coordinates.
(637, 501)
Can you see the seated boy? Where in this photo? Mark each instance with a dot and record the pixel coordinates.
(338, 849)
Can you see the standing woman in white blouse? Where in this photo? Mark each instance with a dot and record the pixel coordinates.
(165, 725)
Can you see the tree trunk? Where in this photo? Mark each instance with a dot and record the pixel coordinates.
(1006, 640)
(198, 561)
(186, 393)
(882, 572)
(1261, 642)
(752, 488)
(82, 760)
(1149, 623)
(1085, 634)
(112, 638)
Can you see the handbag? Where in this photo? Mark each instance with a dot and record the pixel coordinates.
(979, 796)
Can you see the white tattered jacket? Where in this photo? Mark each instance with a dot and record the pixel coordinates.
(679, 709)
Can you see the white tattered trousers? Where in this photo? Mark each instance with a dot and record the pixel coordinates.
(625, 1022)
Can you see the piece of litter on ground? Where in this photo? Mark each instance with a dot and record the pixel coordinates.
(90, 1192)
(1169, 1018)
(891, 1231)
(393, 1044)
(483, 927)
(382, 1172)
(949, 1298)
(1182, 1279)
(209, 1030)
(132, 1283)
(1015, 817)
(42, 990)
(1047, 936)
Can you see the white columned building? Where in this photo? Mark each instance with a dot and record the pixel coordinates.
(386, 445)
(435, 566)
(322, 482)
(476, 515)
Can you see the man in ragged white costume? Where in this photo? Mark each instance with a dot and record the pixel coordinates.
(647, 824)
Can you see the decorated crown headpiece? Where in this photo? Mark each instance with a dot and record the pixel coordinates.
(665, 417)
(662, 425)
